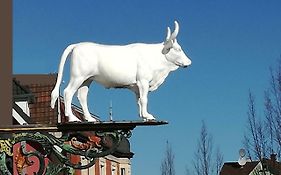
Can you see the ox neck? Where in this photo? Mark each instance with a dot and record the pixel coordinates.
(163, 61)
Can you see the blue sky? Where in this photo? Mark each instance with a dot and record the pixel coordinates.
(231, 44)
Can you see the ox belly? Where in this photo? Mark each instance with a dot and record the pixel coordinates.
(113, 81)
(115, 74)
(111, 66)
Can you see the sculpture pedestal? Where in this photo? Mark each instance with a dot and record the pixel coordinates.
(53, 151)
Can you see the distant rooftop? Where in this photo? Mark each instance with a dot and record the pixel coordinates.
(271, 166)
(233, 168)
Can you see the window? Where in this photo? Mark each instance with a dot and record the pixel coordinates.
(123, 171)
(102, 170)
(113, 170)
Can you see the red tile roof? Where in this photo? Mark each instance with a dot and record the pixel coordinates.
(41, 86)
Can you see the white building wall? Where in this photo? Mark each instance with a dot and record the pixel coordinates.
(102, 166)
(91, 171)
(124, 163)
(121, 163)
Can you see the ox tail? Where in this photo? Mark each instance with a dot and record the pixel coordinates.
(55, 92)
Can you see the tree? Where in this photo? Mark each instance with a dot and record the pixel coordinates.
(187, 171)
(255, 139)
(263, 136)
(273, 109)
(202, 157)
(167, 165)
(218, 161)
(205, 161)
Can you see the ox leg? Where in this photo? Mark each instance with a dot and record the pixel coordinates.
(82, 95)
(143, 93)
(139, 104)
(135, 89)
(69, 91)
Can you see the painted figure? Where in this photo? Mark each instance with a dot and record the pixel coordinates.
(139, 67)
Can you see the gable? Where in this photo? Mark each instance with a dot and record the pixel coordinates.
(233, 168)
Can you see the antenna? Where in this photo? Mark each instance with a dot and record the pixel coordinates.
(242, 157)
(110, 111)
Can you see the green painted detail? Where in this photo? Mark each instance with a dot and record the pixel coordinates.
(57, 169)
(3, 167)
(89, 146)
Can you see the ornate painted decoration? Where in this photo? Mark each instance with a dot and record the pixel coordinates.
(52, 154)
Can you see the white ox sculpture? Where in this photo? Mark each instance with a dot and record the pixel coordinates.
(139, 67)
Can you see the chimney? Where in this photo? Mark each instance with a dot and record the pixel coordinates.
(273, 157)
(6, 62)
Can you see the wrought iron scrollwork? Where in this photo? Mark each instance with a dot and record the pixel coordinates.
(89, 145)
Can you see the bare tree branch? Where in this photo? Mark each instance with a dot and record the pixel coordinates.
(263, 136)
(219, 161)
(167, 165)
(202, 157)
(255, 135)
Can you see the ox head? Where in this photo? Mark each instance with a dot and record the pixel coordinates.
(173, 51)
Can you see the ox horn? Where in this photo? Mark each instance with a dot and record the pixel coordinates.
(176, 31)
(168, 34)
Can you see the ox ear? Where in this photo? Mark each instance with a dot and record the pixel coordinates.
(167, 43)
(167, 46)
(165, 50)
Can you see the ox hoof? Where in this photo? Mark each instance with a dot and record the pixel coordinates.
(73, 119)
(148, 117)
(90, 119)
(148, 120)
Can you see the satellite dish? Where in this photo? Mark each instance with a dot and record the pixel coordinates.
(242, 159)
(242, 152)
